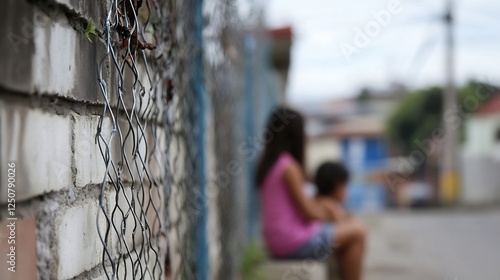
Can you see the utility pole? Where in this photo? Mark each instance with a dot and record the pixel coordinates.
(449, 184)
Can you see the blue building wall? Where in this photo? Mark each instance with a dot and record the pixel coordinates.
(364, 156)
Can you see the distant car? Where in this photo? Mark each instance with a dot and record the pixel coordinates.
(418, 194)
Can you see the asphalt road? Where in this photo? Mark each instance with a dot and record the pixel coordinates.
(434, 245)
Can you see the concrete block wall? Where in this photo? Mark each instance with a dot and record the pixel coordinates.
(50, 104)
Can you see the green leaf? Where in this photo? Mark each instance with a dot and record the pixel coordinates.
(88, 37)
(90, 29)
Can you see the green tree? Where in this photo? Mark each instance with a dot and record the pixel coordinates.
(364, 95)
(420, 113)
(415, 118)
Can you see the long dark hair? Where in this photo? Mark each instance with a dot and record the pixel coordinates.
(284, 133)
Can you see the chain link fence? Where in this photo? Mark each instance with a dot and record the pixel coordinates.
(130, 137)
(178, 200)
(186, 129)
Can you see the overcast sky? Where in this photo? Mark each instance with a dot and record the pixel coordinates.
(331, 59)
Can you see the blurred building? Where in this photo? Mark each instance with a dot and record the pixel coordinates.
(280, 56)
(267, 60)
(481, 155)
(352, 131)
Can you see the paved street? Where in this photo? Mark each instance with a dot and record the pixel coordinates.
(434, 245)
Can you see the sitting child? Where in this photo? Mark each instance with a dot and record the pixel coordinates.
(331, 181)
(295, 225)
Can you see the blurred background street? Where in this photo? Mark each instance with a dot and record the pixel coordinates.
(434, 244)
(155, 113)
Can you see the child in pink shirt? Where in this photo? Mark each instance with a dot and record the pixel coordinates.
(285, 227)
(294, 224)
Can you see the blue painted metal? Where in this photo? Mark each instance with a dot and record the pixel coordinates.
(253, 201)
(199, 117)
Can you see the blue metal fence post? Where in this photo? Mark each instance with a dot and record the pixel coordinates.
(253, 205)
(199, 126)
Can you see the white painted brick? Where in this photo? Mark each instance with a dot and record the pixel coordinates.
(78, 245)
(64, 63)
(40, 145)
(90, 166)
(96, 11)
(51, 57)
(89, 163)
(16, 21)
(54, 61)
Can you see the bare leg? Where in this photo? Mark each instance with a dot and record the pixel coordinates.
(349, 246)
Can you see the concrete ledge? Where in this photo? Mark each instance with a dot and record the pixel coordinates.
(296, 270)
